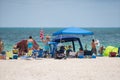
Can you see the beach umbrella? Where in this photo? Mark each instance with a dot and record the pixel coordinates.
(73, 30)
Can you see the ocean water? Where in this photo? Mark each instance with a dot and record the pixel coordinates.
(106, 36)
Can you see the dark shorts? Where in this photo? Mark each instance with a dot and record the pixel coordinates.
(94, 50)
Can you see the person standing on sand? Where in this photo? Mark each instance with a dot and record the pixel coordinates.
(93, 45)
(1, 45)
(46, 45)
(30, 43)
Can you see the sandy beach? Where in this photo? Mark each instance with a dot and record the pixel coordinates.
(101, 68)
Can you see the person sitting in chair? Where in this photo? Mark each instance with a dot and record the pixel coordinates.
(80, 53)
(68, 50)
(60, 54)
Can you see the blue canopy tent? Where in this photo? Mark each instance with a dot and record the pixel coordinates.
(73, 30)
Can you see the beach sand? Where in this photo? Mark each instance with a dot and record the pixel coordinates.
(101, 68)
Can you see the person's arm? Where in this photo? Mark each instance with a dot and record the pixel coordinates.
(44, 41)
(76, 54)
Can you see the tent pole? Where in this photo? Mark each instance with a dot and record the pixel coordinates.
(73, 46)
(60, 38)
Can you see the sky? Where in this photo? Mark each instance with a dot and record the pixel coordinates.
(59, 13)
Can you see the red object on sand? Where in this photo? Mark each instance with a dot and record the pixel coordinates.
(112, 54)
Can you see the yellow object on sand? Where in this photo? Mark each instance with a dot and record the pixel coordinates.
(9, 55)
(15, 51)
(110, 49)
(29, 53)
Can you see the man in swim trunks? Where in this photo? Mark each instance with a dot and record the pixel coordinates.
(93, 45)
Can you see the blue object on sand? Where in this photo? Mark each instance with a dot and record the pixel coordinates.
(15, 56)
(40, 53)
(81, 56)
(93, 56)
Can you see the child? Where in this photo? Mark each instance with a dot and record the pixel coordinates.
(80, 53)
(68, 50)
(101, 50)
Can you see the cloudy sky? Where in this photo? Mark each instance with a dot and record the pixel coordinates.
(59, 13)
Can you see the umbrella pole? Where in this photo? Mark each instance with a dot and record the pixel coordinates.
(60, 38)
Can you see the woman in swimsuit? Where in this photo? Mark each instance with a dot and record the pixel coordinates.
(30, 43)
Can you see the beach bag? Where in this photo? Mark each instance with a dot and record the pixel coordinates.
(2, 57)
(112, 54)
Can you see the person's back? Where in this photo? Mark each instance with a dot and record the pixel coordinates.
(93, 45)
(30, 43)
(80, 52)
